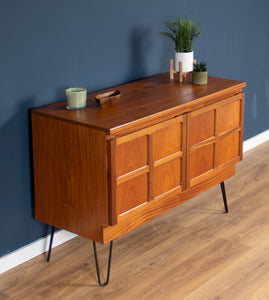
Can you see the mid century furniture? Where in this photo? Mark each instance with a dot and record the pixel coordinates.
(101, 172)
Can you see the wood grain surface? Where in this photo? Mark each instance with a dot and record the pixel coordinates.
(101, 172)
(145, 102)
(70, 176)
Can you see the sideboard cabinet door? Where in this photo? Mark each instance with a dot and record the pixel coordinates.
(215, 138)
(146, 165)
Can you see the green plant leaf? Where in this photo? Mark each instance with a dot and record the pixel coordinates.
(182, 34)
(200, 67)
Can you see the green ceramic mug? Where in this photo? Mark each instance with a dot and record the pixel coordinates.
(76, 98)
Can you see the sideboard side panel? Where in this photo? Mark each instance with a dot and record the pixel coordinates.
(70, 176)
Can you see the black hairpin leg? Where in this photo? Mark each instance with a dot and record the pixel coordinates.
(51, 240)
(97, 266)
(224, 196)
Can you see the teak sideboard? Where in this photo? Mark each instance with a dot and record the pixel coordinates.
(101, 172)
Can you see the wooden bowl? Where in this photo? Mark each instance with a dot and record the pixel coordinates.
(108, 98)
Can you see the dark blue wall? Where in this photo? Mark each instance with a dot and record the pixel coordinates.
(47, 46)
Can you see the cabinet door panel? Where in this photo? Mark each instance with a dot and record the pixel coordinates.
(166, 177)
(131, 155)
(132, 193)
(166, 141)
(228, 116)
(215, 137)
(202, 127)
(146, 164)
(227, 148)
(201, 160)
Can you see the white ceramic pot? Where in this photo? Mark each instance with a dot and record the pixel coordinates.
(76, 98)
(187, 61)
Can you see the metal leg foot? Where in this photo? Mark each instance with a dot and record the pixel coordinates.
(97, 266)
(51, 241)
(224, 196)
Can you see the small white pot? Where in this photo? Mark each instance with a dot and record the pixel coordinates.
(76, 98)
(187, 61)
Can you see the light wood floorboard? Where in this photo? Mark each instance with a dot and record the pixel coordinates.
(192, 252)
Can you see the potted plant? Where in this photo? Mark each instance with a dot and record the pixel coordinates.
(183, 35)
(199, 74)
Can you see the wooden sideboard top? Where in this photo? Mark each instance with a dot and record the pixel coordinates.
(144, 102)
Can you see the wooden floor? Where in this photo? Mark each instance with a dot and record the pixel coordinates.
(193, 252)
